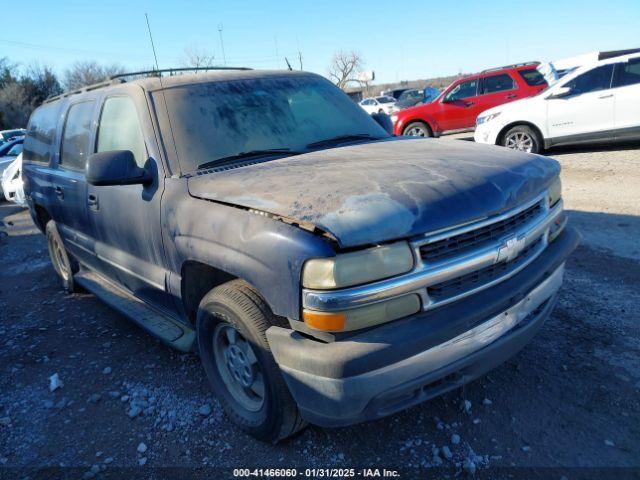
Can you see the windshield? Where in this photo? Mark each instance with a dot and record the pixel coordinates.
(218, 120)
(386, 99)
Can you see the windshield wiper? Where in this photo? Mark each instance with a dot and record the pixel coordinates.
(250, 154)
(343, 138)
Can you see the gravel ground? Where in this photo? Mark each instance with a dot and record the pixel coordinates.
(567, 406)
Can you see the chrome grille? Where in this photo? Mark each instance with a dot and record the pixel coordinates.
(465, 242)
(473, 280)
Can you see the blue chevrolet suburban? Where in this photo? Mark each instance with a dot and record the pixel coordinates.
(324, 270)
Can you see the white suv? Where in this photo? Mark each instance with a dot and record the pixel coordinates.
(596, 102)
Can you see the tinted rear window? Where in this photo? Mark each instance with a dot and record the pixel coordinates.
(532, 77)
(40, 134)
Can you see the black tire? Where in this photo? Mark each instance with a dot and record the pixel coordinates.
(418, 129)
(380, 111)
(64, 264)
(239, 305)
(522, 138)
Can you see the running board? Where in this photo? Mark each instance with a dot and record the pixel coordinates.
(161, 325)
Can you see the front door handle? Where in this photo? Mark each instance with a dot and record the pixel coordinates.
(59, 192)
(606, 96)
(469, 104)
(511, 95)
(92, 201)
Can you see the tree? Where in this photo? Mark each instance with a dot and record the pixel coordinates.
(15, 107)
(82, 74)
(196, 58)
(40, 83)
(345, 67)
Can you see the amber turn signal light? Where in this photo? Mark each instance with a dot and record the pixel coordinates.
(329, 322)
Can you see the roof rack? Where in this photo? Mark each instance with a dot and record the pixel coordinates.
(616, 53)
(515, 65)
(171, 71)
(120, 78)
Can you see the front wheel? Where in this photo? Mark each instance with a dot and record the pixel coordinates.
(231, 325)
(522, 138)
(418, 129)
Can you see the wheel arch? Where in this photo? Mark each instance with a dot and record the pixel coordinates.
(510, 125)
(198, 279)
(40, 216)
(428, 122)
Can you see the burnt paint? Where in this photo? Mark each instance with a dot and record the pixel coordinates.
(376, 192)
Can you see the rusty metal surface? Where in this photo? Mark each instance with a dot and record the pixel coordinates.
(369, 193)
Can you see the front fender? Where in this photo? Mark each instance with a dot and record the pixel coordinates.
(265, 252)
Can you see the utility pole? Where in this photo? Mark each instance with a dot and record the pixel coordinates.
(224, 56)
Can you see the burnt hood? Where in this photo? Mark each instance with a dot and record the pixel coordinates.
(375, 192)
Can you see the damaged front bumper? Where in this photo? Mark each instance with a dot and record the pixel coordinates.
(392, 367)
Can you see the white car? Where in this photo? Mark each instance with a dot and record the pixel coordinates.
(594, 103)
(381, 104)
(11, 180)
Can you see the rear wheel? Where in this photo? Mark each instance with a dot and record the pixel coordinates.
(418, 129)
(63, 263)
(522, 138)
(232, 321)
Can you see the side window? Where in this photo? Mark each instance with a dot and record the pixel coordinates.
(532, 77)
(463, 90)
(119, 129)
(627, 73)
(592, 81)
(497, 83)
(40, 133)
(76, 136)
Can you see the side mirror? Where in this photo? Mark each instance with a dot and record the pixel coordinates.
(115, 167)
(384, 121)
(561, 92)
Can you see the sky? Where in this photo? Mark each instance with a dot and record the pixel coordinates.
(397, 40)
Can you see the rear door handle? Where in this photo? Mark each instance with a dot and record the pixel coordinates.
(92, 201)
(606, 96)
(59, 192)
(511, 95)
(469, 104)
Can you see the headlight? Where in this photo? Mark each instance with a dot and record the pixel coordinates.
(555, 192)
(355, 268)
(486, 118)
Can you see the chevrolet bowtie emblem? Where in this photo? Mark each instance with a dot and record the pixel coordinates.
(510, 249)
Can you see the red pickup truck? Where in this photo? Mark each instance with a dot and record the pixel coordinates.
(459, 105)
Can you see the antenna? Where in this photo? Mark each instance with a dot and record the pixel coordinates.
(164, 99)
(224, 56)
(299, 52)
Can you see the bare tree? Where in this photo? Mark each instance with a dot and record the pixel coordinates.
(345, 67)
(195, 58)
(86, 73)
(40, 83)
(14, 106)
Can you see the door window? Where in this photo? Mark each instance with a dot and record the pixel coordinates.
(119, 129)
(463, 90)
(77, 132)
(592, 81)
(497, 83)
(627, 73)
